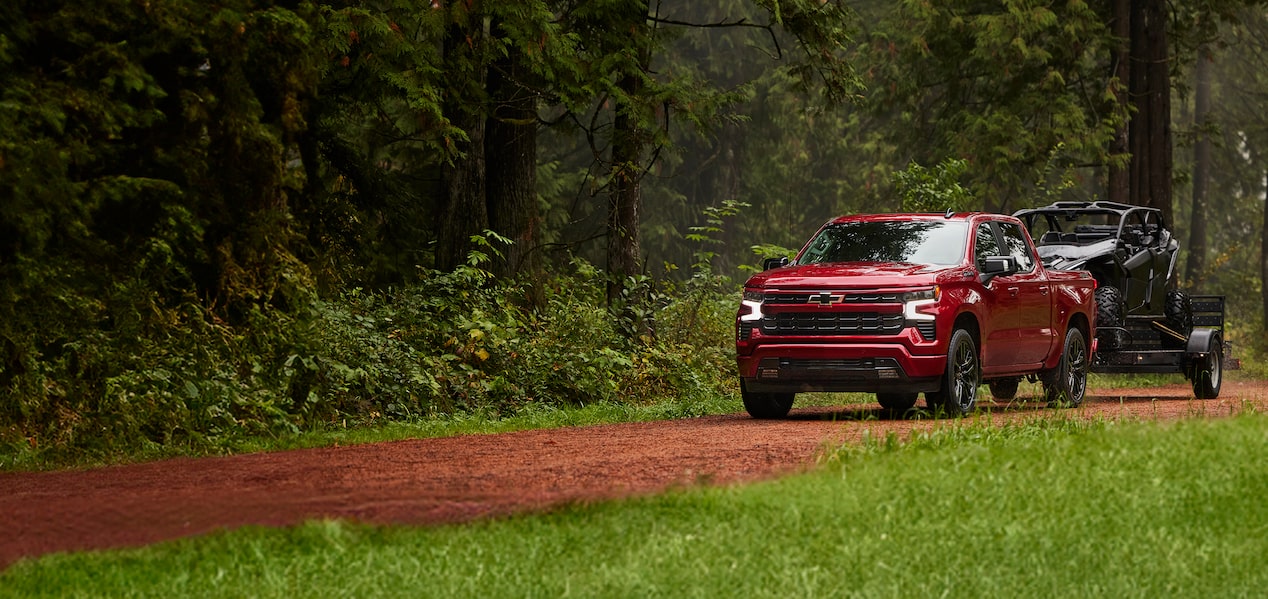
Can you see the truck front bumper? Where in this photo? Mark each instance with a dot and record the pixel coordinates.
(783, 368)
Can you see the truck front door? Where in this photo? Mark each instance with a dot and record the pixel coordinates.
(1033, 298)
(1002, 312)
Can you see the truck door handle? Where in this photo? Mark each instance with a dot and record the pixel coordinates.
(1013, 291)
(1043, 289)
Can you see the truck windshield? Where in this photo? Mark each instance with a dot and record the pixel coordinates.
(933, 242)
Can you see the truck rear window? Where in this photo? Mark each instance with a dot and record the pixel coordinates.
(933, 242)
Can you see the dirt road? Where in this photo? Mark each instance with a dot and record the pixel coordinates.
(430, 481)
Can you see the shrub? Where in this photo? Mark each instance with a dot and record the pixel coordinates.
(451, 343)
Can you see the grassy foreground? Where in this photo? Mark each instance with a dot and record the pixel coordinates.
(1047, 508)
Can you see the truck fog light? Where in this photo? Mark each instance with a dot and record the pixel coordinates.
(887, 374)
(768, 373)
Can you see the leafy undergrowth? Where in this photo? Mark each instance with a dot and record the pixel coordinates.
(447, 354)
(1050, 507)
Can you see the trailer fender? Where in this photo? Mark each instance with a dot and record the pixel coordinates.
(1203, 341)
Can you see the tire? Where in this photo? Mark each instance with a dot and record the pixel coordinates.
(1065, 385)
(1004, 388)
(1109, 317)
(1208, 374)
(897, 403)
(1179, 312)
(961, 379)
(766, 406)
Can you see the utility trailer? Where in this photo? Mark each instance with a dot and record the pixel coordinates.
(1147, 344)
(1143, 323)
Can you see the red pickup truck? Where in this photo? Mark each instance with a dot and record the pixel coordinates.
(903, 304)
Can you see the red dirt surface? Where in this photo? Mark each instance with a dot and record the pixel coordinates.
(457, 479)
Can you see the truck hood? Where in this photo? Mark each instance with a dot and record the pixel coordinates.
(848, 274)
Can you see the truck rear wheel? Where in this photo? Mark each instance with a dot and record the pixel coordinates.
(962, 378)
(1066, 384)
(766, 406)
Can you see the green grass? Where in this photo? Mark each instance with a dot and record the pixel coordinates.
(1051, 507)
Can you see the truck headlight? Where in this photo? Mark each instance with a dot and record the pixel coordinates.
(922, 295)
(913, 301)
(753, 302)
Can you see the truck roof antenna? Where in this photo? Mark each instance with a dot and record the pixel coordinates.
(950, 213)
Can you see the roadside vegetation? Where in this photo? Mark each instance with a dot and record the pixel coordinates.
(1169, 509)
(235, 224)
(453, 354)
(450, 354)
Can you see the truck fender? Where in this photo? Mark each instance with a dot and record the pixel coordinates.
(1203, 341)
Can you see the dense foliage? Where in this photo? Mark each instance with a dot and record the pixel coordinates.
(249, 216)
(449, 343)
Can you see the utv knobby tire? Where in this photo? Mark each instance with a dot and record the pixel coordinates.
(766, 406)
(1178, 311)
(1109, 317)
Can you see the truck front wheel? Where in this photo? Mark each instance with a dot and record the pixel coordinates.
(1066, 384)
(962, 378)
(897, 403)
(1004, 389)
(766, 406)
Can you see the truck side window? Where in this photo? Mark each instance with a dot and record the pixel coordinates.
(985, 245)
(1017, 247)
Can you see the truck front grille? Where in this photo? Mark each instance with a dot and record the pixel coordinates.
(840, 323)
(824, 298)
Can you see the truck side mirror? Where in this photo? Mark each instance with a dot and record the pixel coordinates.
(994, 266)
(770, 263)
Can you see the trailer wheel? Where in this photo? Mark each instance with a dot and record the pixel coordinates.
(1208, 373)
(1066, 384)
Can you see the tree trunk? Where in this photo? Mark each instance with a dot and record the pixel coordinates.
(511, 149)
(1196, 265)
(625, 198)
(465, 210)
(1149, 134)
(1263, 259)
(1118, 188)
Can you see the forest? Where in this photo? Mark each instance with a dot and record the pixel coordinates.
(259, 217)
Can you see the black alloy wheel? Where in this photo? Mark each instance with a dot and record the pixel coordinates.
(1066, 384)
(962, 377)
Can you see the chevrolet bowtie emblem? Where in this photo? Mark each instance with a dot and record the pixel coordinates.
(824, 299)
